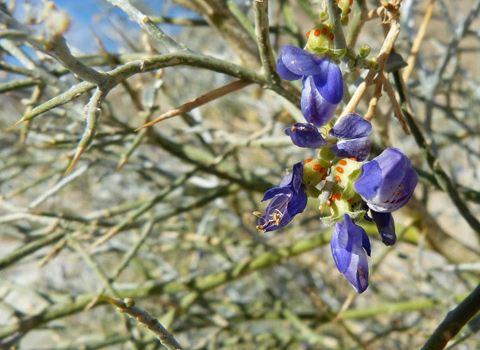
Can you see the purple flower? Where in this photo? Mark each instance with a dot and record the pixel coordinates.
(287, 200)
(387, 182)
(352, 133)
(385, 226)
(305, 135)
(322, 82)
(349, 245)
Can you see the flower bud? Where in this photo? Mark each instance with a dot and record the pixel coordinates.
(320, 39)
(373, 64)
(364, 51)
(315, 171)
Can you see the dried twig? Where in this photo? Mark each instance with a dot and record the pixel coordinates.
(199, 101)
(382, 59)
(128, 307)
(418, 42)
(161, 40)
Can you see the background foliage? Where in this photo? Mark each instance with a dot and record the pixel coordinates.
(163, 215)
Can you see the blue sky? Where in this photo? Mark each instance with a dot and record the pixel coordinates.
(101, 17)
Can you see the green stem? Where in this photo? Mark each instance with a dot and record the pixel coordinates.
(199, 284)
(454, 321)
(334, 15)
(30, 248)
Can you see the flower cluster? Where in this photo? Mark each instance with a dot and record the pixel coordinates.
(348, 186)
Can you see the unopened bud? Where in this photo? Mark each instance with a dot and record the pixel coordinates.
(129, 302)
(315, 171)
(320, 39)
(373, 64)
(364, 51)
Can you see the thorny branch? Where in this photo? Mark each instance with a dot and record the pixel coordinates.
(172, 224)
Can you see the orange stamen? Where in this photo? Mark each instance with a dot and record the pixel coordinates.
(317, 32)
(338, 178)
(307, 160)
(340, 169)
(342, 162)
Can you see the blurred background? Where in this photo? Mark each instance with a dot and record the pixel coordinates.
(164, 215)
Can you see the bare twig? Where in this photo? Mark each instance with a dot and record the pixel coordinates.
(161, 39)
(57, 48)
(146, 206)
(372, 105)
(454, 322)
(128, 307)
(146, 230)
(382, 59)
(379, 12)
(93, 113)
(62, 183)
(397, 110)
(228, 26)
(334, 13)
(167, 60)
(444, 181)
(418, 42)
(199, 101)
(263, 40)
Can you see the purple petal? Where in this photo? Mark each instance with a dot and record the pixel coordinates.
(351, 126)
(369, 181)
(398, 181)
(341, 247)
(385, 226)
(347, 244)
(396, 185)
(407, 186)
(357, 271)
(330, 81)
(358, 148)
(299, 61)
(287, 180)
(355, 232)
(287, 191)
(278, 205)
(393, 163)
(305, 135)
(294, 205)
(298, 202)
(315, 108)
(284, 72)
(366, 243)
(287, 200)
(297, 174)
